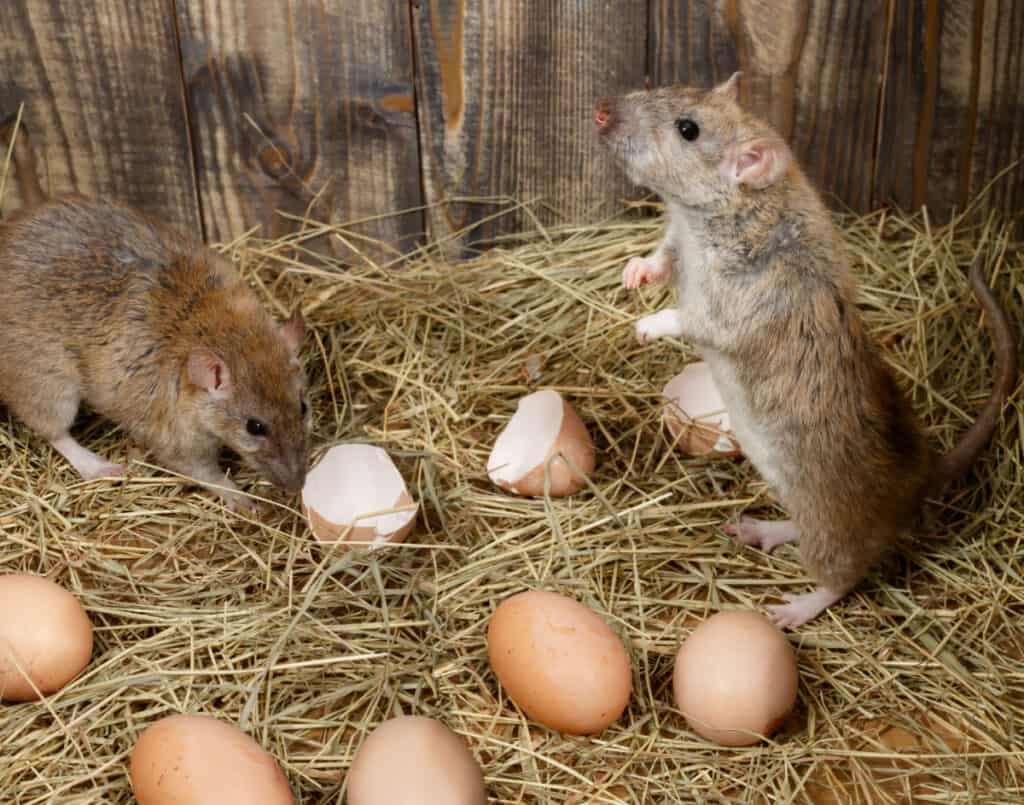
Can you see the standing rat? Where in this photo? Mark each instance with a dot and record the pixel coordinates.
(766, 296)
(103, 305)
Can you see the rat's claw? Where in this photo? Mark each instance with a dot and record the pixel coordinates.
(636, 273)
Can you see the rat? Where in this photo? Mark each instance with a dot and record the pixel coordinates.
(153, 330)
(765, 294)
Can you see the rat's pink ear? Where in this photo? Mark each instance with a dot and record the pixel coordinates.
(756, 163)
(731, 88)
(294, 330)
(207, 370)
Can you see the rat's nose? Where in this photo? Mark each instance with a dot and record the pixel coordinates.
(602, 112)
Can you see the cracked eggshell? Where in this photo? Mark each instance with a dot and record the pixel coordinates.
(200, 760)
(695, 414)
(44, 634)
(352, 495)
(543, 426)
(413, 760)
(735, 678)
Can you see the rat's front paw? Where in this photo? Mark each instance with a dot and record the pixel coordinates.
(665, 323)
(640, 271)
(239, 503)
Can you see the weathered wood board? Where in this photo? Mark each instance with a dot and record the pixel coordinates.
(506, 92)
(298, 105)
(953, 110)
(103, 100)
(217, 114)
(813, 69)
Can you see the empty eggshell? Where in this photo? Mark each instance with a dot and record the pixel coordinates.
(200, 760)
(695, 414)
(559, 661)
(543, 426)
(735, 678)
(412, 760)
(45, 637)
(355, 493)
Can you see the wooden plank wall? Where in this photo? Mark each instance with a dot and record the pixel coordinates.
(221, 114)
(103, 100)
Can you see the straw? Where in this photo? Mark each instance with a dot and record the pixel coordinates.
(912, 689)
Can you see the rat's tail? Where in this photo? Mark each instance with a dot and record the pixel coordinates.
(24, 160)
(955, 464)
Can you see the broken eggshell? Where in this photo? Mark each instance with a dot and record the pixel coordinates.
(543, 426)
(355, 493)
(695, 414)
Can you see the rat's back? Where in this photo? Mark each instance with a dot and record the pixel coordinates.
(68, 265)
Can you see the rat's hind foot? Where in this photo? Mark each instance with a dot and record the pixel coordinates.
(764, 534)
(89, 465)
(642, 270)
(802, 608)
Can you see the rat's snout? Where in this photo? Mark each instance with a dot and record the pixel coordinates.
(603, 113)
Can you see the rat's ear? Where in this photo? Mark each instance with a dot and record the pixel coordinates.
(756, 163)
(731, 88)
(294, 330)
(207, 370)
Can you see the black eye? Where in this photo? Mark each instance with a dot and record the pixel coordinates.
(255, 427)
(688, 130)
(303, 408)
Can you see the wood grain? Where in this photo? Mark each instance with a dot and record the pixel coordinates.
(103, 101)
(298, 100)
(506, 94)
(812, 69)
(953, 115)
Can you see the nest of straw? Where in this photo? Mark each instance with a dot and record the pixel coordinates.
(912, 689)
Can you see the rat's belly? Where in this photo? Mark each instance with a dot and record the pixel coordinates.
(756, 438)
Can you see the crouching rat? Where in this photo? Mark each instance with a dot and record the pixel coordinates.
(765, 294)
(105, 306)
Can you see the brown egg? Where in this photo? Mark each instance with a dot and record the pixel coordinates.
(45, 637)
(200, 760)
(559, 662)
(735, 678)
(543, 426)
(695, 414)
(355, 493)
(413, 760)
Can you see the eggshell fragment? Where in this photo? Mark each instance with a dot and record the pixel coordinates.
(355, 493)
(413, 760)
(559, 662)
(45, 637)
(695, 414)
(735, 678)
(544, 425)
(199, 760)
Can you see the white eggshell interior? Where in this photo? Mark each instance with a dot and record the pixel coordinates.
(694, 392)
(527, 438)
(352, 481)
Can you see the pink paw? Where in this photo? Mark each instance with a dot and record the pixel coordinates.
(802, 608)
(104, 470)
(640, 271)
(645, 333)
(766, 535)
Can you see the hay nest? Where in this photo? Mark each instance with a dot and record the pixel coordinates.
(911, 689)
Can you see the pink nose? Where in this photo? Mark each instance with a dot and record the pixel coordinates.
(602, 113)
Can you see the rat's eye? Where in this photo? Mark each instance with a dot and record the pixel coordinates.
(688, 130)
(303, 408)
(255, 427)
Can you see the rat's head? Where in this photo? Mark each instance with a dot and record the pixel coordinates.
(254, 398)
(693, 146)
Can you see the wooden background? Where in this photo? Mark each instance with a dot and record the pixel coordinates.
(233, 114)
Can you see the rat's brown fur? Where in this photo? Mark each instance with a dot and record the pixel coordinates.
(154, 331)
(766, 295)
